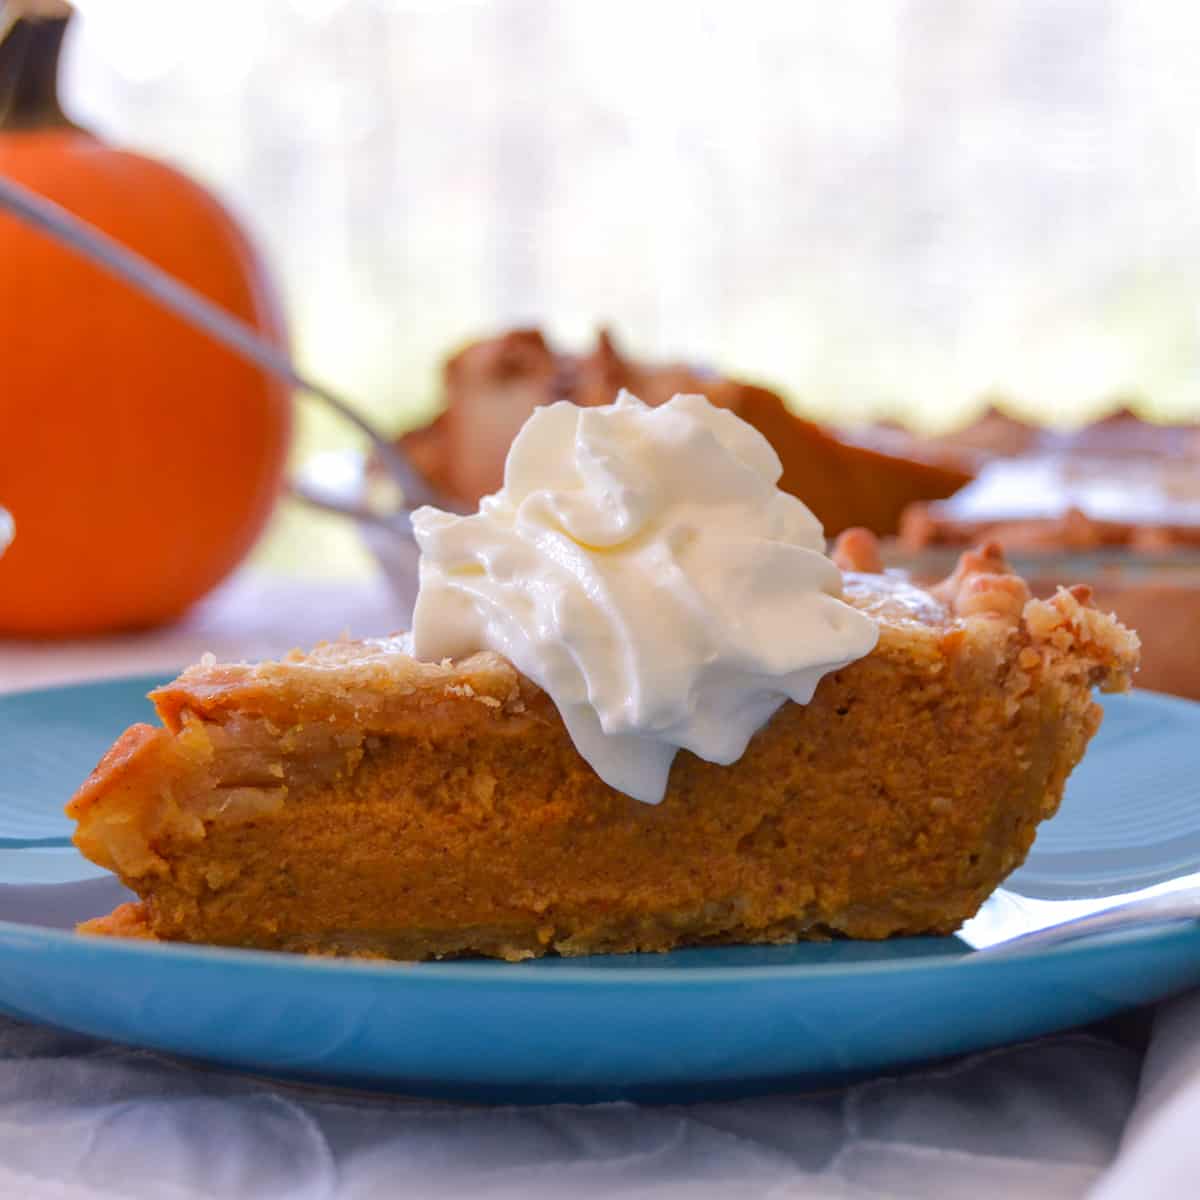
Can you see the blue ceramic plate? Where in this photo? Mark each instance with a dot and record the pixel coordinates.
(696, 1023)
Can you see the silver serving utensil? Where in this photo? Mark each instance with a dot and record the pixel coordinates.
(1013, 924)
(222, 326)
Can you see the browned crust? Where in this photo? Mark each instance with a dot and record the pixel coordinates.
(349, 682)
(124, 758)
(129, 920)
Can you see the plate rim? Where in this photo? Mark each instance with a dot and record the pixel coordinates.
(470, 971)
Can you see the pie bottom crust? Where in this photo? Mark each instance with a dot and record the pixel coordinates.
(356, 801)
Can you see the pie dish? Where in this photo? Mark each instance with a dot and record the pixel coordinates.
(1124, 493)
(493, 385)
(354, 800)
(1122, 435)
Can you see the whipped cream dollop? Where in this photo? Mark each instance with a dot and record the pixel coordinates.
(642, 567)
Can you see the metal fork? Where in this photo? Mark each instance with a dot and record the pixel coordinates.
(222, 326)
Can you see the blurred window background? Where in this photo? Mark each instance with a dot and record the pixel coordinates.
(885, 209)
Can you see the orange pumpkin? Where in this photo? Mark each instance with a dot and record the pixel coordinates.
(139, 460)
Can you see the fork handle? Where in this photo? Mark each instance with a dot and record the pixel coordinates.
(1168, 908)
(197, 310)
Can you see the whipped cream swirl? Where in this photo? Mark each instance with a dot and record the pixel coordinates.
(642, 567)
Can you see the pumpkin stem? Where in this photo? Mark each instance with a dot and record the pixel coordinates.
(31, 37)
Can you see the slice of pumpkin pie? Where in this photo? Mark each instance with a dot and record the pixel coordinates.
(640, 708)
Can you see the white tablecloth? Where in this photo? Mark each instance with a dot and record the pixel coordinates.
(1074, 1115)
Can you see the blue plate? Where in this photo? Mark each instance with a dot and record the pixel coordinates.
(696, 1023)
